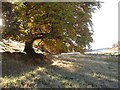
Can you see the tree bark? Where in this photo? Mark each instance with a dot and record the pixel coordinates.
(29, 47)
(30, 51)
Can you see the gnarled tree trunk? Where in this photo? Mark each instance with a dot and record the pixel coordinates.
(29, 44)
(29, 47)
(38, 58)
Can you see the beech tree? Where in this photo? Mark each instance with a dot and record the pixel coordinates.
(57, 26)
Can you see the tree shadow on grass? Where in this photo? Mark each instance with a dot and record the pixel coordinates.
(16, 63)
(75, 79)
(39, 74)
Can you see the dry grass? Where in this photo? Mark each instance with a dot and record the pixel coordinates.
(58, 71)
(69, 72)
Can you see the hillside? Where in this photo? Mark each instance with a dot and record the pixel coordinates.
(66, 70)
(14, 46)
(105, 51)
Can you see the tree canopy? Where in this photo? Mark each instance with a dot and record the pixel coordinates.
(57, 26)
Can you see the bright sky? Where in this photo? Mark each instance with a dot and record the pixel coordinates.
(105, 26)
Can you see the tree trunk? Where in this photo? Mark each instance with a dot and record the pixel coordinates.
(29, 47)
(32, 54)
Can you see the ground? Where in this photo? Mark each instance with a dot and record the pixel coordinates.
(67, 70)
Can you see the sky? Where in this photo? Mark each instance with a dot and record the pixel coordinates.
(105, 27)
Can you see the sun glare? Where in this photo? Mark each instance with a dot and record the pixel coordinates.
(0, 22)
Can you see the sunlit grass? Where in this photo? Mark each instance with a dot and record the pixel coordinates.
(23, 80)
(62, 73)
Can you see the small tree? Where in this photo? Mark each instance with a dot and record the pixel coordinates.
(61, 27)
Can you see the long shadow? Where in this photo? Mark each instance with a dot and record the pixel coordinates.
(16, 63)
(81, 80)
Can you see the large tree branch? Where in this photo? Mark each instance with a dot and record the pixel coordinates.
(46, 35)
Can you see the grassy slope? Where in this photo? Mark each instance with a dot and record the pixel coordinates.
(67, 71)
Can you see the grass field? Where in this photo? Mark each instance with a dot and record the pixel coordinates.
(63, 72)
(67, 70)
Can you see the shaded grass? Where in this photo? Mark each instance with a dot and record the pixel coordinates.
(17, 63)
(22, 71)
